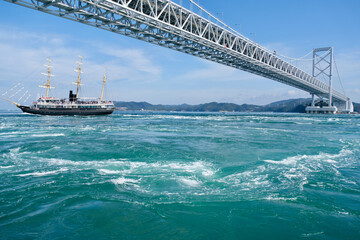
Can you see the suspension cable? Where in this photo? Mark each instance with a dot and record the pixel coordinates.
(337, 71)
(296, 59)
(253, 42)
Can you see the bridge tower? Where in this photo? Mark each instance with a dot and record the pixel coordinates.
(323, 67)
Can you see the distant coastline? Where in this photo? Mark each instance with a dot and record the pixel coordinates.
(291, 106)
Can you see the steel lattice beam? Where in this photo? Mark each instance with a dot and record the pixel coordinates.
(167, 24)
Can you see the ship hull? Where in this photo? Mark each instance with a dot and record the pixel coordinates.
(68, 112)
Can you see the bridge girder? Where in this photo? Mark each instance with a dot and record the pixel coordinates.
(167, 24)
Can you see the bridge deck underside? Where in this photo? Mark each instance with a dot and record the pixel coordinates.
(167, 24)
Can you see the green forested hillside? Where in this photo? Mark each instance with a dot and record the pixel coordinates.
(291, 105)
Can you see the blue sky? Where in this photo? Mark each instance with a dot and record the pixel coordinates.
(139, 71)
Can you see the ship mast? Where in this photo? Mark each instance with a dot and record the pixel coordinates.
(104, 81)
(47, 85)
(78, 83)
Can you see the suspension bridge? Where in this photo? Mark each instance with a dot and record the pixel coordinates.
(173, 26)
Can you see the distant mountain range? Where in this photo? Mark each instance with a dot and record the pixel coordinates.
(291, 105)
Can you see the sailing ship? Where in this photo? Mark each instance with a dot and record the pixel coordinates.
(73, 105)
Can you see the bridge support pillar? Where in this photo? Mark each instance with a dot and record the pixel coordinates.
(313, 109)
(321, 110)
(313, 100)
(349, 106)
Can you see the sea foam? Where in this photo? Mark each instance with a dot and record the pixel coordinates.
(40, 174)
(48, 135)
(192, 182)
(122, 180)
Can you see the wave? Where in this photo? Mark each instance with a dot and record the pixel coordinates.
(288, 175)
(87, 128)
(48, 135)
(311, 235)
(192, 182)
(170, 175)
(7, 125)
(41, 174)
(287, 161)
(14, 133)
(122, 165)
(92, 164)
(123, 180)
(108, 172)
(275, 198)
(5, 167)
(313, 159)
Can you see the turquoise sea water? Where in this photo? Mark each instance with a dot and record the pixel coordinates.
(135, 175)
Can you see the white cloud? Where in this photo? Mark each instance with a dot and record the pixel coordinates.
(144, 75)
(23, 55)
(134, 57)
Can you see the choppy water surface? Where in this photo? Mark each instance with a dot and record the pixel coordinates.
(135, 175)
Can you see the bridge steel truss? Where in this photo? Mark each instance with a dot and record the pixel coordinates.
(170, 25)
